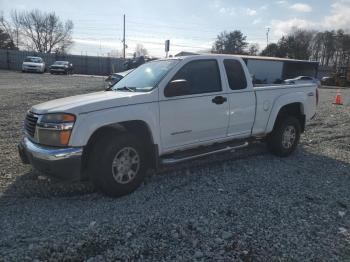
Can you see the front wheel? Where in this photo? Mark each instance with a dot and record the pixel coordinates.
(118, 165)
(284, 138)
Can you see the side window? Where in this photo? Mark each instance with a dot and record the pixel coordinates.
(306, 78)
(201, 76)
(235, 74)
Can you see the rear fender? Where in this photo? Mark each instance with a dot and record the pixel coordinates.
(296, 97)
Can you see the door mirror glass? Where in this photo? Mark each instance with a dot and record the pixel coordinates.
(177, 87)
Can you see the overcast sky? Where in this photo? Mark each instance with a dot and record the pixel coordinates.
(190, 25)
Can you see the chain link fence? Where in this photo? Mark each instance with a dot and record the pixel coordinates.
(90, 65)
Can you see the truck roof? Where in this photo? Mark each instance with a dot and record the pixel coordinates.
(266, 58)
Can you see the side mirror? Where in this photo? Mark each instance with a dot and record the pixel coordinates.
(108, 83)
(108, 86)
(177, 87)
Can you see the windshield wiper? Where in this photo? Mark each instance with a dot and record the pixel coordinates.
(129, 88)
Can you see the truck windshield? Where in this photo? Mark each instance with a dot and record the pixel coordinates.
(145, 77)
(33, 59)
(61, 63)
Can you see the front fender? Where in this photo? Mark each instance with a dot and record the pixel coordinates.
(88, 123)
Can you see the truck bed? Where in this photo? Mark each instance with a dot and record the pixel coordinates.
(270, 99)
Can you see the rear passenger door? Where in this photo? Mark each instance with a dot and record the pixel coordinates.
(199, 112)
(241, 100)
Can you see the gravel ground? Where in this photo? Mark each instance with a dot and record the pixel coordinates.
(245, 206)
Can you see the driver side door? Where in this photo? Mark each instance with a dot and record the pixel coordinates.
(197, 113)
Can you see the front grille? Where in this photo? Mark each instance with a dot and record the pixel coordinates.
(30, 123)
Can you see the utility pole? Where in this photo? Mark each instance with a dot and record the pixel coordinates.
(167, 47)
(267, 36)
(124, 38)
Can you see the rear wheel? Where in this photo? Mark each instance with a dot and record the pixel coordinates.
(118, 165)
(284, 138)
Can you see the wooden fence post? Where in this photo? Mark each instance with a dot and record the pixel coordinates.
(8, 59)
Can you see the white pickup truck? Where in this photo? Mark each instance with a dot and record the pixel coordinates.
(163, 112)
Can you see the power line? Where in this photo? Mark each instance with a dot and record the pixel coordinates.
(200, 28)
(145, 32)
(136, 40)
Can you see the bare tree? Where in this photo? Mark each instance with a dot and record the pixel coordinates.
(5, 40)
(6, 37)
(253, 49)
(140, 50)
(43, 32)
(16, 32)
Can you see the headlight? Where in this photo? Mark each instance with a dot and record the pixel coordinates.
(55, 129)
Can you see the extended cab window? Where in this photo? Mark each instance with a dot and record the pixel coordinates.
(235, 74)
(201, 76)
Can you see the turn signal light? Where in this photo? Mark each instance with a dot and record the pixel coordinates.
(64, 137)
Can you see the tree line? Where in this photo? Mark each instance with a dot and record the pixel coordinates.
(330, 48)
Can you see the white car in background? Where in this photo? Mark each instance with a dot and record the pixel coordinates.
(303, 80)
(33, 64)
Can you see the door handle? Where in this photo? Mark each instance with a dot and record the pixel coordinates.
(311, 94)
(219, 100)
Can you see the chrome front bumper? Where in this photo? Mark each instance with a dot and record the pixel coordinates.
(64, 163)
(32, 69)
(57, 69)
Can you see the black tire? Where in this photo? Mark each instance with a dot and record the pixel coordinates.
(100, 168)
(283, 127)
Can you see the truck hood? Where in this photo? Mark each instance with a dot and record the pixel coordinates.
(92, 102)
(62, 66)
(32, 64)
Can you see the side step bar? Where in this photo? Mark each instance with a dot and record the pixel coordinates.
(174, 160)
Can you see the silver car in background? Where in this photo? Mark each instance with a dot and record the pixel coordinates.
(115, 78)
(303, 80)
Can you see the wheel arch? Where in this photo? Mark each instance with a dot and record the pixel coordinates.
(137, 127)
(293, 106)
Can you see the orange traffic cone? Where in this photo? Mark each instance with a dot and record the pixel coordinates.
(338, 98)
